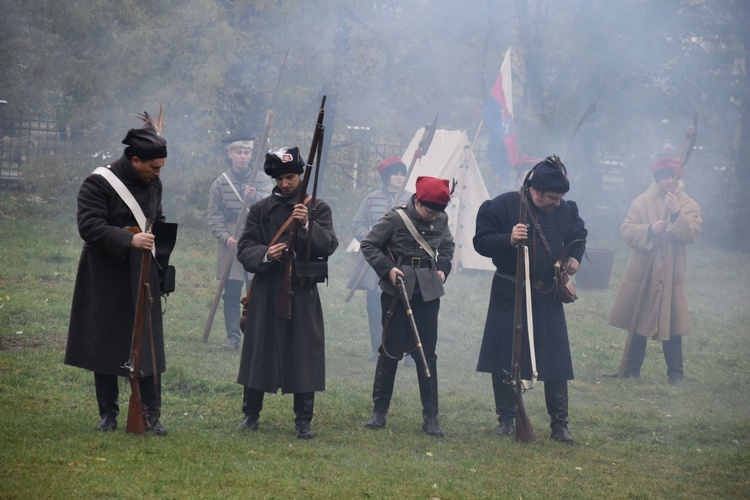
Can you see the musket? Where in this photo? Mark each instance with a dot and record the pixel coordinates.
(284, 290)
(136, 423)
(401, 288)
(687, 149)
(422, 148)
(524, 429)
(232, 252)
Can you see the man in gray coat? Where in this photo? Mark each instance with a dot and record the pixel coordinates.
(227, 196)
(393, 174)
(424, 262)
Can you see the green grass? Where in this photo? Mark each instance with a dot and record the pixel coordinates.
(637, 438)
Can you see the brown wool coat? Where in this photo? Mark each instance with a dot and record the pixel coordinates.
(651, 299)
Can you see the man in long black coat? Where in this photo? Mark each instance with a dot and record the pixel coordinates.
(498, 233)
(107, 283)
(280, 353)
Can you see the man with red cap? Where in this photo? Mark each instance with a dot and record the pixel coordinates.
(651, 301)
(498, 233)
(393, 175)
(280, 353)
(412, 241)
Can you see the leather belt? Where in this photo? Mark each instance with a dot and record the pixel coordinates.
(419, 262)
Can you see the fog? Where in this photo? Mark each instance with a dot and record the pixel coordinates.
(387, 66)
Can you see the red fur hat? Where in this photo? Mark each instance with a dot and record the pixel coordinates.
(667, 163)
(433, 192)
(393, 160)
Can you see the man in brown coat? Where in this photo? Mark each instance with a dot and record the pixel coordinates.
(651, 301)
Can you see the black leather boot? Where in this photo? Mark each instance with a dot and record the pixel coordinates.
(382, 391)
(304, 404)
(252, 404)
(428, 393)
(556, 397)
(505, 405)
(106, 398)
(673, 356)
(150, 391)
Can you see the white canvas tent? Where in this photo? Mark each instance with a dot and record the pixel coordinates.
(450, 157)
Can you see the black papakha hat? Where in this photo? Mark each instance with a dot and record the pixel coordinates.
(283, 161)
(550, 175)
(145, 143)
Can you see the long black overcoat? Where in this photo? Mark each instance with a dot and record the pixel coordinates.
(106, 289)
(279, 353)
(495, 221)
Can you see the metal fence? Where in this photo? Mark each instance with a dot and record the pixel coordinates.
(23, 137)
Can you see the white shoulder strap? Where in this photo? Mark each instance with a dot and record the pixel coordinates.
(413, 230)
(232, 186)
(126, 196)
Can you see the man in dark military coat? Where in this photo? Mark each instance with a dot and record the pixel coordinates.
(280, 353)
(497, 236)
(107, 283)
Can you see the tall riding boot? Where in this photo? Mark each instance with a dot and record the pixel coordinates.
(252, 404)
(106, 397)
(556, 397)
(382, 391)
(304, 403)
(231, 298)
(636, 356)
(673, 356)
(505, 405)
(150, 397)
(428, 393)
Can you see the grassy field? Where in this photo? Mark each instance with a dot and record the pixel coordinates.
(636, 438)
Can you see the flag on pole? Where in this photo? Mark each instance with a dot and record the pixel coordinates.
(502, 147)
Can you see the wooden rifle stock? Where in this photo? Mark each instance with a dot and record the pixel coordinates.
(232, 252)
(524, 429)
(401, 286)
(284, 290)
(136, 423)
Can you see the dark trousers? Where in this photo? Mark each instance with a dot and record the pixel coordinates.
(107, 393)
(671, 348)
(304, 404)
(232, 309)
(399, 339)
(555, 398)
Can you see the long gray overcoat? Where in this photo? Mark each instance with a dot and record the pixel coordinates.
(495, 221)
(106, 288)
(279, 353)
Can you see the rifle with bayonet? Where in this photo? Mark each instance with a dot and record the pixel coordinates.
(232, 252)
(422, 148)
(524, 429)
(136, 422)
(284, 291)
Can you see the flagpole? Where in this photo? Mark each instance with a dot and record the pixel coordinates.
(474, 141)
